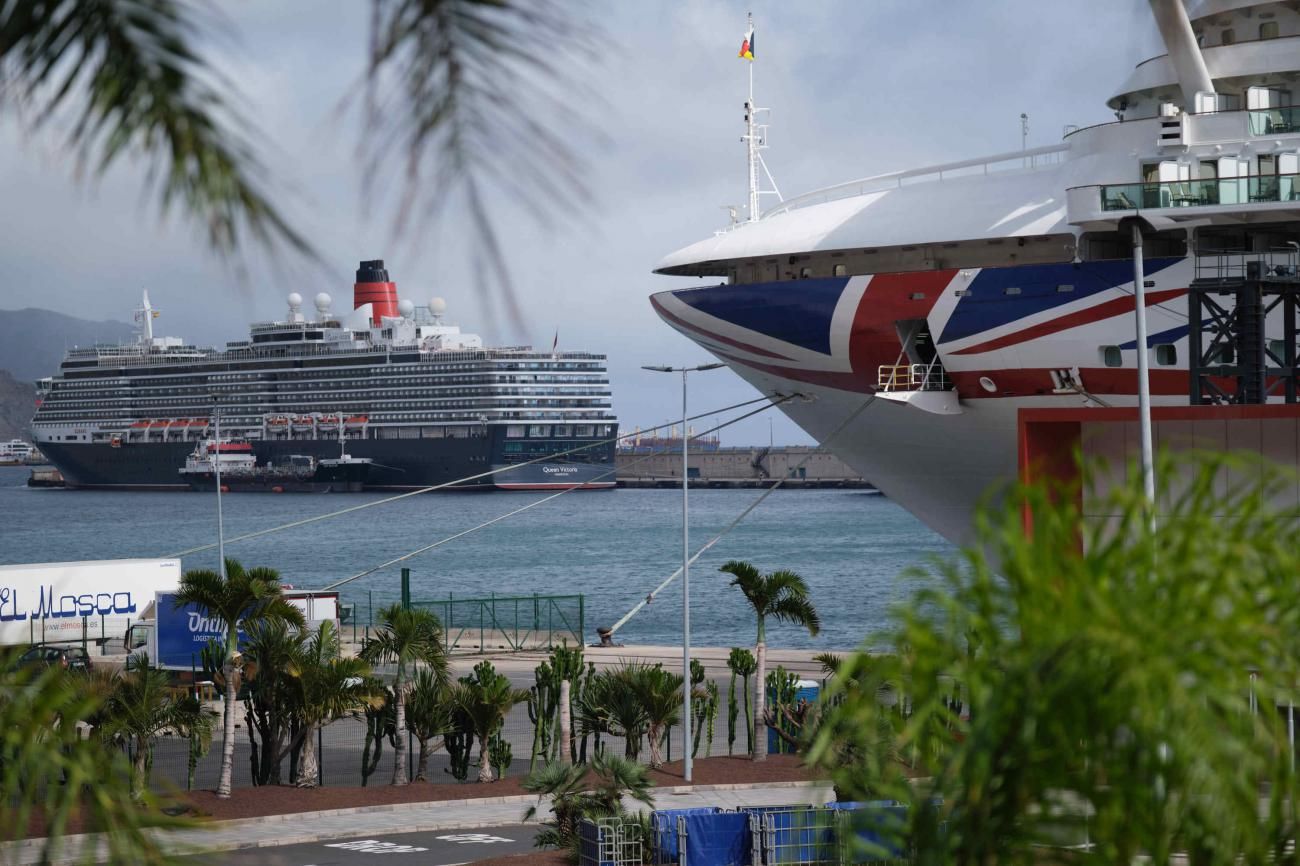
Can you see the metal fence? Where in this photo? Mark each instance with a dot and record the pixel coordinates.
(509, 623)
(341, 747)
(833, 835)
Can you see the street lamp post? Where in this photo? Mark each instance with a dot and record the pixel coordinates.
(686, 575)
(216, 469)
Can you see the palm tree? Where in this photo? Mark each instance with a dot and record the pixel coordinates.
(407, 637)
(608, 706)
(271, 695)
(443, 78)
(485, 698)
(47, 767)
(242, 597)
(580, 792)
(660, 695)
(140, 707)
(428, 715)
(782, 596)
(330, 687)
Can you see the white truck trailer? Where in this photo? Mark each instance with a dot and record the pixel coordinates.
(65, 602)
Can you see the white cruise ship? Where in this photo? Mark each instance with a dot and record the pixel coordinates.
(925, 310)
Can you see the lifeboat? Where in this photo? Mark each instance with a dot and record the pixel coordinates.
(277, 422)
(303, 422)
(199, 422)
(231, 447)
(357, 420)
(329, 420)
(140, 425)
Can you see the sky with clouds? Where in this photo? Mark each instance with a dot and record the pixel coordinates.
(855, 88)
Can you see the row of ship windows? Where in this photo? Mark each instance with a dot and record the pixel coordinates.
(266, 387)
(287, 404)
(479, 367)
(556, 431)
(201, 383)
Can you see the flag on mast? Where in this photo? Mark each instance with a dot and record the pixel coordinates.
(555, 343)
(747, 46)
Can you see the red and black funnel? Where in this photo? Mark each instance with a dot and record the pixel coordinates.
(374, 287)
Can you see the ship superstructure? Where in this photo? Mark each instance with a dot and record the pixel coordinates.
(917, 312)
(425, 403)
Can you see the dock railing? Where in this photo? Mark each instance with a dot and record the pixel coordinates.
(513, 623)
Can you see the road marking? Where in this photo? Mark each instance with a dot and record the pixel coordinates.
(473, 839)
(375, 846)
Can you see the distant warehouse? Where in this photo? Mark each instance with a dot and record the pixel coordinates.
(803, 466)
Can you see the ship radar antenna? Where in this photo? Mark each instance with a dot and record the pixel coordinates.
(755, 137)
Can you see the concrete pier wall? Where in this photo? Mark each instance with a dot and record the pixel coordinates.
(804, 466)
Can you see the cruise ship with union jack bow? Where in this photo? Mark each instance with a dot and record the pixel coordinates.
(915, 314)
(410, 397)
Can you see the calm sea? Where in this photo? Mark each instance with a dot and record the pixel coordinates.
(613, 547)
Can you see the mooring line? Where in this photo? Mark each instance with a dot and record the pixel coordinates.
(446, 484)
(715, 539)
(544, 499)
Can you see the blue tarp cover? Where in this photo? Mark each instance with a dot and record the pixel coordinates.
(721, 839)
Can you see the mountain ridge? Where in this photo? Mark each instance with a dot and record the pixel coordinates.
(33, 340)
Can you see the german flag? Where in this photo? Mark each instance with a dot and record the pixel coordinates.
(747, 46)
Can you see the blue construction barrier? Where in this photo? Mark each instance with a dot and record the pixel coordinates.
(663, 825)
(721, 839)
(877, 829)
(589, 844)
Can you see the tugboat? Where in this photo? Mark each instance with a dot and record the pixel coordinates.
(295, 473)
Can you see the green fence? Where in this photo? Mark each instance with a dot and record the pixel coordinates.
(517, 622)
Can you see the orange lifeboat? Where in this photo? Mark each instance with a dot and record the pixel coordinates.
(357, 420)
(277, 422)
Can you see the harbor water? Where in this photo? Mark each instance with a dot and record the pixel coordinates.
(613, 547)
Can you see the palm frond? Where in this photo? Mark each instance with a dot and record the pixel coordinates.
(129, 76)
(458, 103)
(798, 610)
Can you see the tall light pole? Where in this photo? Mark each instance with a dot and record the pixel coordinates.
(216, 468)
(686, 574)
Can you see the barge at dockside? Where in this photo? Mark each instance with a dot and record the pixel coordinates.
(422, 402)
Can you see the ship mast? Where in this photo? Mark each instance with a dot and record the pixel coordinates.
(755, 139)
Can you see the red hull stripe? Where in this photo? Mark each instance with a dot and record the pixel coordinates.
(506, 485)
(1105, 310)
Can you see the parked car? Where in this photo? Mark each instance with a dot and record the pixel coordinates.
(73, 658)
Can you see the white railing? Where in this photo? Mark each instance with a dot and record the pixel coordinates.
(912, 377)
(1032, 159)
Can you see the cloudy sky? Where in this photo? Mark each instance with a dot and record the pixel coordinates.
(856, 88)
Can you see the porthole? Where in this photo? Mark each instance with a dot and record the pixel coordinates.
(1166, 354)
(1111, 356)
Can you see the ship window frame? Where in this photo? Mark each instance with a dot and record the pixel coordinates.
(1111, 356)
(1269, 29)
(1227, 36)
(1166, 354)
(839, 269)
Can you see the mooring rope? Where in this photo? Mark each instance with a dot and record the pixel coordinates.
(733, 524)
(544, 499)
(446, 484)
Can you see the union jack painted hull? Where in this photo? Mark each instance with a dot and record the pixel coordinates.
(1000, 334)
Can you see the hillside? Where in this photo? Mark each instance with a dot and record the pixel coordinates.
(17, 402)
(32, 341)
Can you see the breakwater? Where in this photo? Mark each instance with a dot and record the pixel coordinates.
(802, 466)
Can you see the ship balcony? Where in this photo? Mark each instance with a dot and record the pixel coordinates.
(1166, 203)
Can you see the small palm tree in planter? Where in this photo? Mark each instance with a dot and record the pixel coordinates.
(240, 597)
(484, 699)
(782, 596)
(139, 708)
(579, 791)
(407, 637)
(428, 716)
(660, 695)
(329, 687)
(608, 705)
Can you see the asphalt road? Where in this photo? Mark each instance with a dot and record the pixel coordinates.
(433, 848)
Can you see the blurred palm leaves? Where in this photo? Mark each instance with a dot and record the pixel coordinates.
(1092, 680)
(462, 96)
